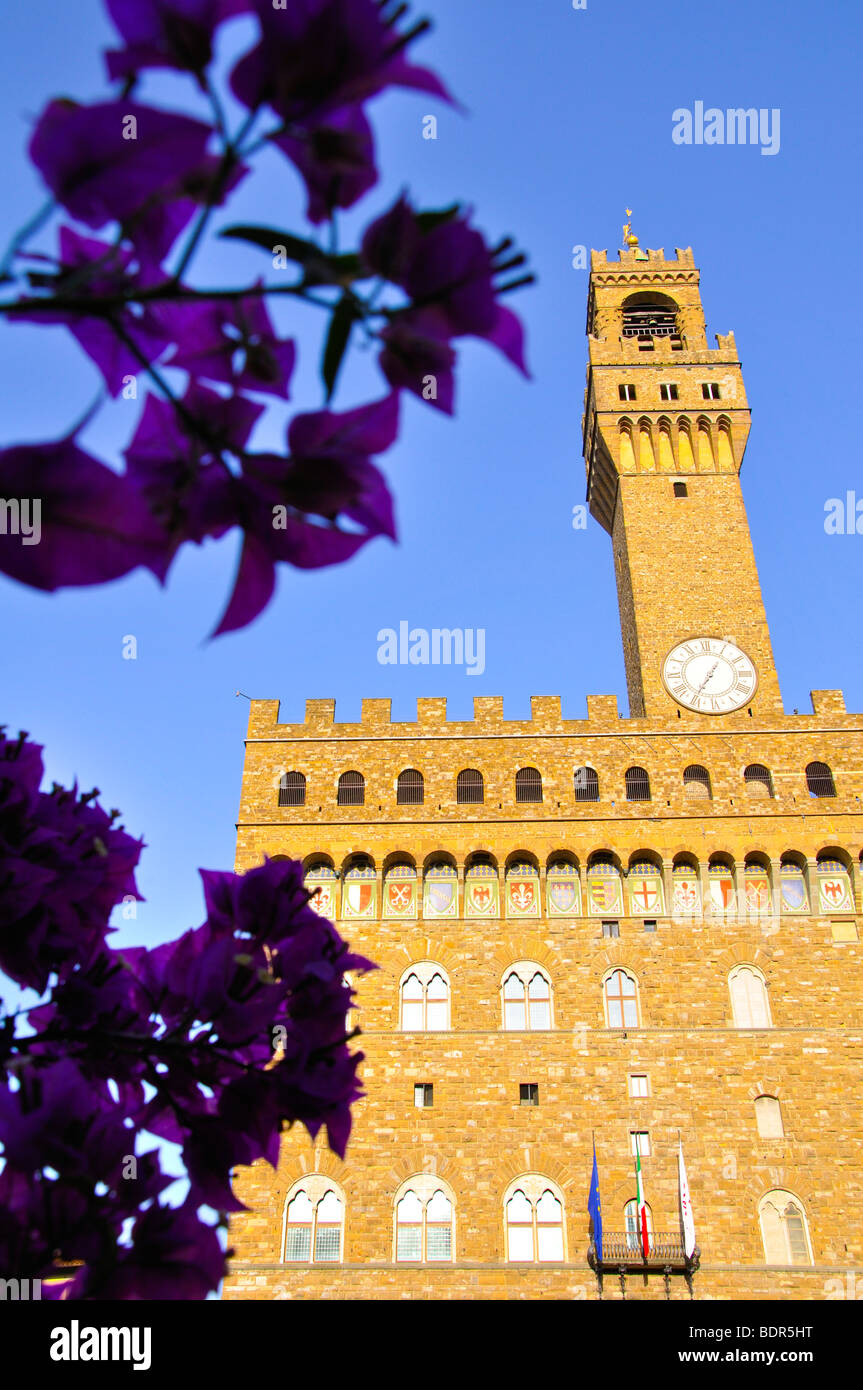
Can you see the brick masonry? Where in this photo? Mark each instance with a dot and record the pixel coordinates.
(684, 566)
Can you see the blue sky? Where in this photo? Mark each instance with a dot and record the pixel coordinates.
(569, 121)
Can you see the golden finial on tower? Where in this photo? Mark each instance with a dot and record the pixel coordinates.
(630, 241)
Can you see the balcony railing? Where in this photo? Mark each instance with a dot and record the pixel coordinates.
(623, 1249)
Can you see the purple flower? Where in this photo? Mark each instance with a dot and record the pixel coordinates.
(174, 460)
(318, 56)
(63, 867)
(103, 162)
(98, 268)
(417, 356)
(173, 1254)
(93, 524)
(167, 33)
(336, 158)
(231, 341)
(327, 474)
(447, 269)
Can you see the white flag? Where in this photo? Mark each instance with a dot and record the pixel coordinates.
(685, 1207)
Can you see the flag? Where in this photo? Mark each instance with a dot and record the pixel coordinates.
(594, 1206)
(685, 1207)
(642, 1208)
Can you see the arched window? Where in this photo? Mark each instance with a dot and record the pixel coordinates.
(819, 780)
(352, 789)
(649, 315)
(526, 999)
(534, 1222)
(696, 781)
(424, 1221)
(783, 1229)
(757, 780)
(834, 886)
(633, 1228)
(768, 1117)
(528, 785)
(621, 1000)
(410, 789)
(425, 999)
(469, 787)
(292, 789)
(637, 784)
(586, 783)
(314, 1222)
(749, 998)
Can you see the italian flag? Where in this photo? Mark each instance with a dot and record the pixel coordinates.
(642, 1208)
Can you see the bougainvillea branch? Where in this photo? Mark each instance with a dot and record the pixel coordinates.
(150, 181)
(214, 1041)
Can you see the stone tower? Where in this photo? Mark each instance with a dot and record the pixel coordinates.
(631, 929)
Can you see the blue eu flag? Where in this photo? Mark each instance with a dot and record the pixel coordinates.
(594, 1206)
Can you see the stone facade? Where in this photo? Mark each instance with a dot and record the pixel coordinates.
(684, 566)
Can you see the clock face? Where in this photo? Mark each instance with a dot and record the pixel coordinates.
(709, 675)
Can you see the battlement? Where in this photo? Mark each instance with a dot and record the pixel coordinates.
(603, 717)
(639, 260)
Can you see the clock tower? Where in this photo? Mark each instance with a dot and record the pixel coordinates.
(665, 427)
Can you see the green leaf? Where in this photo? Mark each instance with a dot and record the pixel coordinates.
(319, 267)
(434, 218)
(344, 317)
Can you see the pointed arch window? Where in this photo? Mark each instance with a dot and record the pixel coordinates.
(424, 1217)
(314, 1222)
(528, 785)
(633, 1228)
(425, 999)
(534, 1223)
(526, 999)
(784, 1229)
(292, 789)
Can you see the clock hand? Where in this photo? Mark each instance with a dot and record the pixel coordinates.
(706, 679)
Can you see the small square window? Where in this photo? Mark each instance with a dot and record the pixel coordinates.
(680, 490)
(424, 1095)
(528, 1093)
(626, 391)
(668, 391)
(710, 390)
(639, 1141)
(638, 1086)
(649, 926)
(611, 929)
